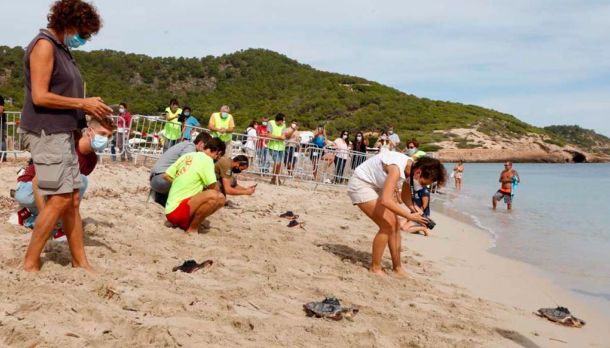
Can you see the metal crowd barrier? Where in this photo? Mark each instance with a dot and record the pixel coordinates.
(10, 137)
(145, 140)
(302, 162)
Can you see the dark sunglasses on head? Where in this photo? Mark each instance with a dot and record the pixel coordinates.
(243, 163)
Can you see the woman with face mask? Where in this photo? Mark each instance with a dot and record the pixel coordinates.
(372, 188)
(341, 146)
(359, 148)
(54, 107)
(384, 142)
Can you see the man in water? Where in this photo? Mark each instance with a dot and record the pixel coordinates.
(507, 177)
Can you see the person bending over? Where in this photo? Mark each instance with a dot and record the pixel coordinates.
(94, 138)
(187, 206)
(227, 183)
(371, 188)
(158, 185)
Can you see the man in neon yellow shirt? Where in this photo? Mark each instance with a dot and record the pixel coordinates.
(187, 206)
(278, 132)
(173, 128)
(222, 124)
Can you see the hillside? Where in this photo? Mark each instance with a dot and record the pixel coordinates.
(258, 82)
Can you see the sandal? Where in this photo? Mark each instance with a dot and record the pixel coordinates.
(293, 223)
(288, 214)
(191, 266)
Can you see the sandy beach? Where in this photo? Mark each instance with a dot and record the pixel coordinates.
(457, 294)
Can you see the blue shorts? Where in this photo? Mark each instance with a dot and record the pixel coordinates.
(418, 199)
(277, 156)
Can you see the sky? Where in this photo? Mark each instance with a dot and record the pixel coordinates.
(545, 61)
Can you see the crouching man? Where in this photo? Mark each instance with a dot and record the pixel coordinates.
(225, 168)
(158, 185)
(187, 206)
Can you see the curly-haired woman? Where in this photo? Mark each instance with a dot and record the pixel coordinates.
(55, 108)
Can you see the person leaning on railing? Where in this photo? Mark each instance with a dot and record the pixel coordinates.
(359, 148)
(54, 108)
(278, 133)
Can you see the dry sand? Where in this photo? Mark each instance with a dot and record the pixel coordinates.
(457, 294)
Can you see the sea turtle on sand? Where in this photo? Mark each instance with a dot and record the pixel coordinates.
(329, 308)
(560, 315)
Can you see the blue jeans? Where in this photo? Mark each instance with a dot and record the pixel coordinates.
(262, 158)
(24, 194)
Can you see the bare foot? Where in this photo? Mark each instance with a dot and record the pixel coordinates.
(378, 272)
(400, 272)
(87, 267)
(32, 266)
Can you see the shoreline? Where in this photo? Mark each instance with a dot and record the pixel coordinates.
(457, 293)
(511, 283)
(591, 300)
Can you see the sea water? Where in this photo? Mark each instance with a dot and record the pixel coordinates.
(560, 221)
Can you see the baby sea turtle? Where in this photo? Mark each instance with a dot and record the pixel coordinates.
(560, 315)
(329, 308)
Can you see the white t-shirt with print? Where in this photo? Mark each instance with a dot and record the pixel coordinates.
(371, 171)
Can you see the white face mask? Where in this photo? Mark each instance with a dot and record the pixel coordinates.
(344, 137)
(294, 125)
(121, 110)
(384, 137)
(359, 138)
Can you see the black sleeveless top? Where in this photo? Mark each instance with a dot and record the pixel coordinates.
(65, 81)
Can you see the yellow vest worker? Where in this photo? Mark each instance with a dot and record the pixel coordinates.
(222, 124)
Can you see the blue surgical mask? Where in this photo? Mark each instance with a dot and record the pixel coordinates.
(224, 114)
(410, 152)
(187, 114)
(74, 41)
(99, 142)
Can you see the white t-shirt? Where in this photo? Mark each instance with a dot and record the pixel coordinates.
(371, 171)
(395, 139)
(342, 148)
(251, 140)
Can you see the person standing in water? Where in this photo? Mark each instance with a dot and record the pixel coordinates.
(507, 177)
(372, 188)
(458, 173)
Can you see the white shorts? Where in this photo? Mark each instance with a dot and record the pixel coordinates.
(361, 191)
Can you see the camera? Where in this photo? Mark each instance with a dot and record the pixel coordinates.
(430, 224)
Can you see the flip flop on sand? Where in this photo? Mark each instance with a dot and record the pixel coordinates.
(191, 266)
(288, 214)
(293, 223)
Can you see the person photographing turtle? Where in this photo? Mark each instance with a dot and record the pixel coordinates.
(372, 188)
(509, 179)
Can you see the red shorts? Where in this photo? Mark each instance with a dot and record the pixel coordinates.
(181, 216)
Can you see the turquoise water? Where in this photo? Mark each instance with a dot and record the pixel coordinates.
(560, 220)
